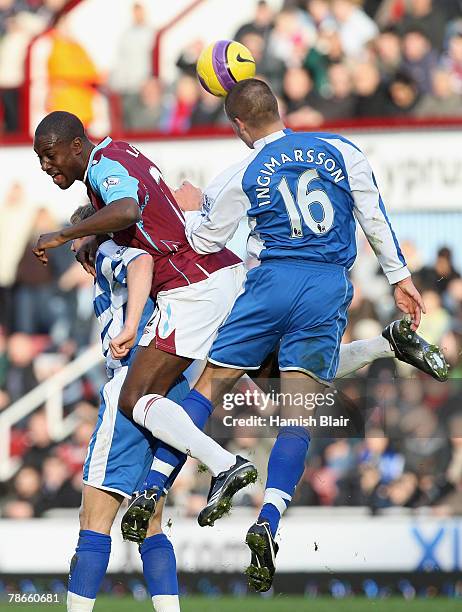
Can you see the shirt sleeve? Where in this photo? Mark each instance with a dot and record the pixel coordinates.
(370, 212)
(111, 181)
(224, 205)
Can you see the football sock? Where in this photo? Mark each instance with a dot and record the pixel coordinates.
(88, 567)
(168, 422)
(357, 354)
(159, 569)
(166, 458)
(286, 465)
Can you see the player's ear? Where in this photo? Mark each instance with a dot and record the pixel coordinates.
(77, 145)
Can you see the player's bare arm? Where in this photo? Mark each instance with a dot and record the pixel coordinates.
(139, 279)
(118, 216)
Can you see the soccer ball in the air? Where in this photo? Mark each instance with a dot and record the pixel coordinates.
(222, 64)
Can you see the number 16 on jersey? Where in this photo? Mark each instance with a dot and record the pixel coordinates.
(302, 206)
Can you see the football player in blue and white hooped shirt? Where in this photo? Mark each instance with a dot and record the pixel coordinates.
(302, 194)
(120, 453)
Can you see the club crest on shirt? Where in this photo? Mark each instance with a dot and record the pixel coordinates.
(111, 181)
(207, 203)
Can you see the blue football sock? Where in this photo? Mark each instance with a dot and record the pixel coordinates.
(285, 468)
(89, 564)
(168, 461)
(159, 565)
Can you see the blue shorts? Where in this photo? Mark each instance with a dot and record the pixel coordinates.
(120, 452)
(297, 306)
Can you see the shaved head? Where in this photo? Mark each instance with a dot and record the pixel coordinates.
(62, 148)
(61, 125)
(253, 102)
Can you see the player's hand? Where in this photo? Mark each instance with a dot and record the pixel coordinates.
(409, 301)
(86, 256)
(189, 198)
(48, 241)
(121, 344)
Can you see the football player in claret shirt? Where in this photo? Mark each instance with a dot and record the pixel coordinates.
(193, 292)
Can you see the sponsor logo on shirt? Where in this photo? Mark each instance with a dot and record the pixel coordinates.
(111, 181)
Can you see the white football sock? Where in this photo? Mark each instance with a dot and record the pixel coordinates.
(166, 603)
(168, 422)
(77, 603)
(357, 354)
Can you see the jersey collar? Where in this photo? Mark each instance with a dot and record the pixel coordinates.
(101, 145)
(261, 142)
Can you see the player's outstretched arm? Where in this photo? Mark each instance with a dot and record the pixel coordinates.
(139, 280)
(117, 216)
(212, 218)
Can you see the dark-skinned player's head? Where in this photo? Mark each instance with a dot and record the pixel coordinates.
(62, 148)
(253, 110)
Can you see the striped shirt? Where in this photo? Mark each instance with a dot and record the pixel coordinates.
(111, 296)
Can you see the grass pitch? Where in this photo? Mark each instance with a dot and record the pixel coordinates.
(282, 603)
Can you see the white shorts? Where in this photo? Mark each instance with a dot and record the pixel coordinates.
(186, 320)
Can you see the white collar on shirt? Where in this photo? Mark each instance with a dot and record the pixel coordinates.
(101, 145)
(261, 142)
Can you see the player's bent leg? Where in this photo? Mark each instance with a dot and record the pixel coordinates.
(91, 558)
(152, 371)
(159, 565)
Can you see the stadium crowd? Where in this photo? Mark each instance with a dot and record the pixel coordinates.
(328, 60)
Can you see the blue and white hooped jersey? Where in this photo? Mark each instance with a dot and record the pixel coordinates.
(111, 296)
(302, 193)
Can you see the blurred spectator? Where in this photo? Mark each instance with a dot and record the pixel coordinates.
(39, 441)
(267, 65)
(208, 110)
(189, 56)
(403, 95)
(17, 220)
(57, 491)
(20, 28)
(341, 102)
(452, 61)
(419, 59)
(438, 276)
(370, 94)
(435, 322)
(20, 374)
(133, 62)
(27, 484)
(144, 110)
(34, 309)
(291, 37)
(328, 50)
(320, 15)
(426, 16)
(387, 47)
(356, 29)
(186, 96)
(262, 23)
(73, 75)
(300, 99)
(442, 101)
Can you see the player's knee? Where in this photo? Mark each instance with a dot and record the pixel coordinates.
(94, 521)
(127, 401)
